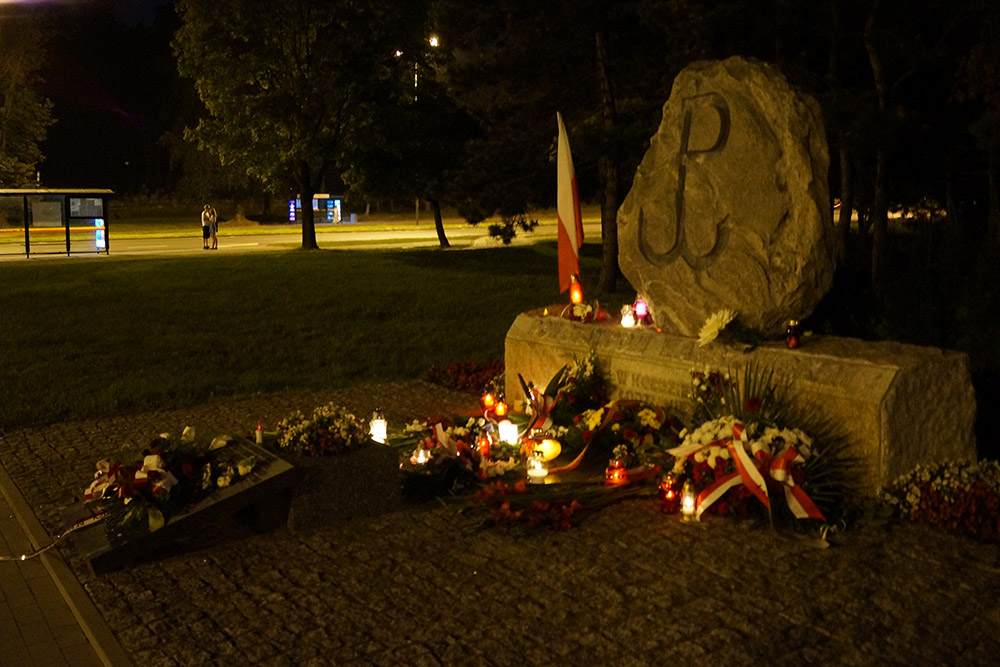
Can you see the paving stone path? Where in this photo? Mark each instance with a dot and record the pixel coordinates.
(423, 586)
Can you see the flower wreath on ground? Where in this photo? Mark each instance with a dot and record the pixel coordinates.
(330, 429)
(140, 491)
(959, 496)
(447, 457)
(743, 455)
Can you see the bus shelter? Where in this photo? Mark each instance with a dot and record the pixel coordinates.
(45, 221)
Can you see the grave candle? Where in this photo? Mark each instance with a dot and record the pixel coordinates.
(421, 455)
(616, 474)
(538, 469)
(688, 502)
(628, 316)
(669, 496)
(378, 427)
(641, 310)
(575, 291)
(507, 430)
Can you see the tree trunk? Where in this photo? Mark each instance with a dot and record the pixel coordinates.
(846, 198)
(993, 227)
(439, 223)
(880, 219)
(608, 169)
(306, 192)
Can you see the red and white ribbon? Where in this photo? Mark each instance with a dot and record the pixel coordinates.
(541, 404)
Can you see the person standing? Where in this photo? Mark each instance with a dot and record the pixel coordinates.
(215, 228)
(207, 223)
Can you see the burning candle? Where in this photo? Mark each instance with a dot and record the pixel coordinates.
(538, 469)
(616, 474)
(669, 495)
(378, 427)
(641, 309)
(507, 431)
(628, 316)
(575, 291)
(688, 507)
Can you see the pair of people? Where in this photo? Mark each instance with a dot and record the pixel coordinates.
(209, 228)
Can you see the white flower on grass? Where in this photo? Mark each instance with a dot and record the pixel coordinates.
(714, 325)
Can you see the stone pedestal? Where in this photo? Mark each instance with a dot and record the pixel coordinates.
(898, 405)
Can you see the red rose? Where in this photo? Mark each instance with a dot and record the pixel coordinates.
(752, 404)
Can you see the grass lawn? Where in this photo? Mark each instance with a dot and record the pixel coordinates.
(103, 335)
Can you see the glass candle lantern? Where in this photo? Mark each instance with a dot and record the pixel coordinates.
(421, 455)
(378, 427)
(616, 474)
(669, 494)
(688, 502)
(575, 291)
(489, 401)
(483, 446)
(793, 334)
(507, 431)
(500, 409)
(538, 468)
(628, 316)
(641, 310)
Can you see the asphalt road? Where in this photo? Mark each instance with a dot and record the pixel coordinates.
(339, 237)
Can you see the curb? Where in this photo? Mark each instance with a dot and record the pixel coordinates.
(91, 622)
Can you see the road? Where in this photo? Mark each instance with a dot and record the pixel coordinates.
(344, 237)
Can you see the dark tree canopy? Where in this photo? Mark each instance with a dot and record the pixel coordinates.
(24, 114)
(286, 84)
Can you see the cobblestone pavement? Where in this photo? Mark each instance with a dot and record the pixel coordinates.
(422, 586)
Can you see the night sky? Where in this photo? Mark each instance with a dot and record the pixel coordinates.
(111, 77)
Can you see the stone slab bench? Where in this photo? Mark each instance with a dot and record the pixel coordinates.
(898, 405)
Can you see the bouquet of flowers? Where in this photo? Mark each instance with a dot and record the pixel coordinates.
(961, 496)
(141, 490)
(744, 449)
(581, 386)
(630, 431)
(330, 429)
(441, 455)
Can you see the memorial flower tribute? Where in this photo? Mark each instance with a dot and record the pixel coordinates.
(330, 429)
(139, 491)
(744, 453)
(959, 496)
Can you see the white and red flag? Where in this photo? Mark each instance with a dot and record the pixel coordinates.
(568, 211)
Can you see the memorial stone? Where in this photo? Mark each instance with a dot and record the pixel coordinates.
(730, 208)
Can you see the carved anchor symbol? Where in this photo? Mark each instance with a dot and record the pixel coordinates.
(680, 246)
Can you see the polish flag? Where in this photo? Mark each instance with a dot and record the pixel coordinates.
(568, 210)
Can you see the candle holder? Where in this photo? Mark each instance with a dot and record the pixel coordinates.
(538, 468)
(616, 474)
(377, 429)
(688, 502)
(628, 316)
(793, 334)
(641, 310)
(483, 446)
(575, 291)
(421, 455)
(507, 431)
(669, 494)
